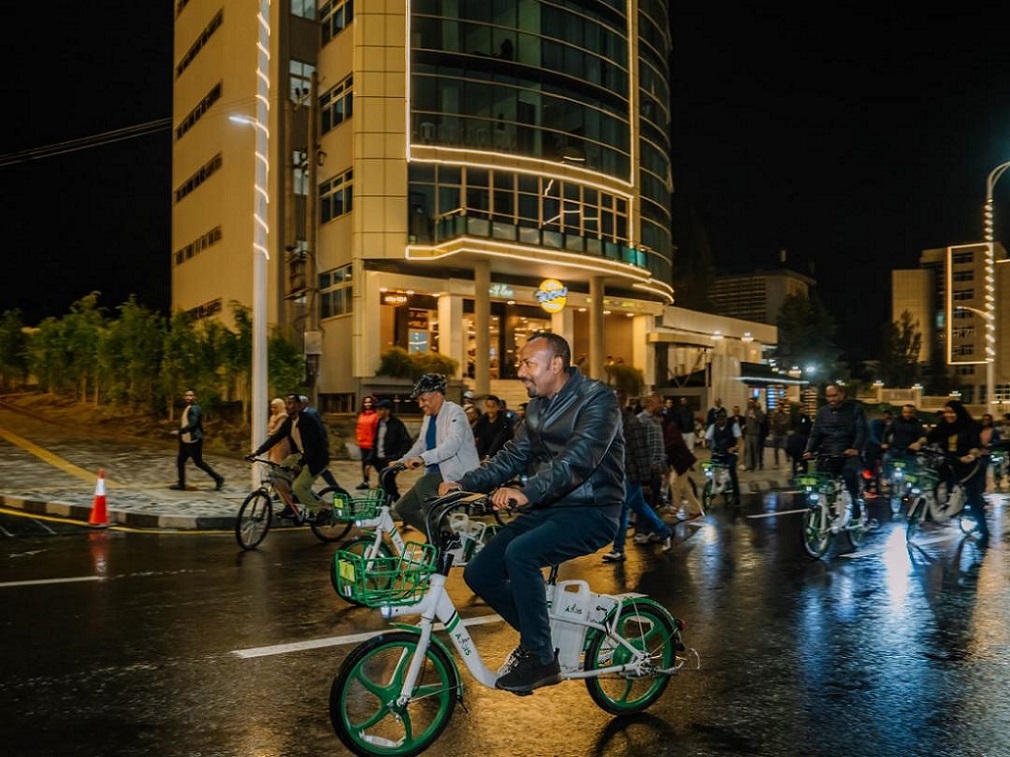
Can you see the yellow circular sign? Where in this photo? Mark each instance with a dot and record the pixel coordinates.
(552, 295)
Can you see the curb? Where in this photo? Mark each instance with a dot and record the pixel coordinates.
(130, 519)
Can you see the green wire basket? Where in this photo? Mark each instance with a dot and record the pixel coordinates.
(386, 581)
(363, 506)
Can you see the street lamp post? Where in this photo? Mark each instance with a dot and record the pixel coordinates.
(261, 254)
(990, 287)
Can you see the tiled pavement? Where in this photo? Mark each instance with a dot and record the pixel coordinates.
(140, 502)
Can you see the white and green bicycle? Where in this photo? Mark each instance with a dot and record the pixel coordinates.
(396, 692)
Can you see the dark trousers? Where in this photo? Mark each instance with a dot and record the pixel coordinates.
(506, 572)
(974, 490)
(413, 506)
(193, 451)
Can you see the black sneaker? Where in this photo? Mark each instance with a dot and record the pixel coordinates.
(362, 485)
(219, 485)
(529, 673)
(287, 512)
(510, 662)
(324, 517)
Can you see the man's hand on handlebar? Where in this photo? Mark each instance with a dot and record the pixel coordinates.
(508, 497)
(414, 462)
(448, 486)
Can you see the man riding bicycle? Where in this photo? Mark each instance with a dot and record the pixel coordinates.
(839, 434)
(310, 443)
(571, 446)
(724, 441)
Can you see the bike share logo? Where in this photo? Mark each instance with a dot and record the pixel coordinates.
(552, 295)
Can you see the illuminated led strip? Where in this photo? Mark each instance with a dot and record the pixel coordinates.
(262, 132)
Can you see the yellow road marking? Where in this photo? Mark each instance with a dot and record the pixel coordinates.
(46, 456)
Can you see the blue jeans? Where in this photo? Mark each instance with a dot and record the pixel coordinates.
(506, 572)
(648, 521)
(974, 489)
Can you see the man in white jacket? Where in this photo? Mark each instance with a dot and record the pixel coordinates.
(445, 447)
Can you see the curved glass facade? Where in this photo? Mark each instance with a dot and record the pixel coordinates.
(551, 81)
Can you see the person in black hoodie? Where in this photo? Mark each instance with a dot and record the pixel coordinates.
(957, 436)
(839, 435)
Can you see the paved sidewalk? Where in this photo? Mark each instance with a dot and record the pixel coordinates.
(146, 504)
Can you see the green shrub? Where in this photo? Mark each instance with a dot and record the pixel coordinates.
(398, 363)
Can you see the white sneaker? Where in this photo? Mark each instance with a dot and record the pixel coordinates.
(614, 556)
(642, 538)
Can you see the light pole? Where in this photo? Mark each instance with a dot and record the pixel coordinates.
(990, 288)
(261, 255)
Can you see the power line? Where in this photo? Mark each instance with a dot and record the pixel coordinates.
(85, 143)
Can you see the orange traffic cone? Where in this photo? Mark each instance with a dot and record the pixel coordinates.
(99, 512)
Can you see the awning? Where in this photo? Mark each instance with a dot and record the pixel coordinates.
(759, 373)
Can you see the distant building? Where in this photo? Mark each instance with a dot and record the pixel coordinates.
(758, 295)
(946, 297)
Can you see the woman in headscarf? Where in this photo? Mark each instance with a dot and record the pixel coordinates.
(957, 435)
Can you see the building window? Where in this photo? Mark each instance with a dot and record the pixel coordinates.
(335, 196)
(208, 169)
(300, 80)
(304, 8)
(197, 246)
(962, 350)
(968, 275)
(334, 16)
(963, 294)
(194, 115)
(202, 40)
(335, 291)
(336, 104)
(962, 258)
(965, 370)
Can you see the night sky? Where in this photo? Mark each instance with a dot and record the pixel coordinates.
(854, 142)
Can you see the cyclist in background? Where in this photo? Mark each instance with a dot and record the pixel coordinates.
(839, 433)
(958, 436)
(724, 439)
(444, 447)
(905, 436)
(308, 439)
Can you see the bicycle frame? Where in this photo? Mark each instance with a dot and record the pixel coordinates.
(438, 605)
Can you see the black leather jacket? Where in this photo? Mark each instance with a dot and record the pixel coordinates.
(837, 429)
(571, 447)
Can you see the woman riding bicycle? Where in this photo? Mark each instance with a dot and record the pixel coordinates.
(957, 435)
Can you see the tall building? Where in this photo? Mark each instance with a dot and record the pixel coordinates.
(757, 295)
(444, 175)
(946, 296)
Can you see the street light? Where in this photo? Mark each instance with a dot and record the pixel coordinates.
(990, 287)
(260, 230)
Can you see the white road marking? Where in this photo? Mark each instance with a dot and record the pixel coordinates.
(779, 512)
(336, 641)
(10, 584)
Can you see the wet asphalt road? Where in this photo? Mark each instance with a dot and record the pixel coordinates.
(177, 643)
(139, 644)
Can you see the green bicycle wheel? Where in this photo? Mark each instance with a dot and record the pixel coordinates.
(707, 495)
(360, 545)
(648, 627)
(816, 531)
(363, 709)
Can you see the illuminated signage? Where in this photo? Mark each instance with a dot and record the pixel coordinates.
(552, 295)
(501, 290)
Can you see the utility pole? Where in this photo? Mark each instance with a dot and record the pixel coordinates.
(313, 341)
